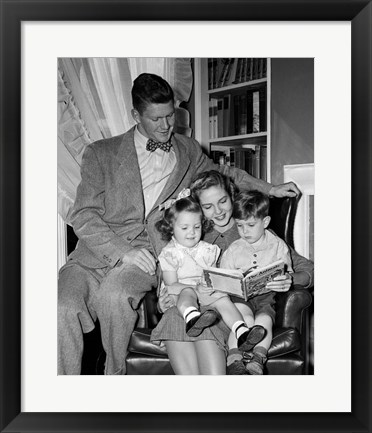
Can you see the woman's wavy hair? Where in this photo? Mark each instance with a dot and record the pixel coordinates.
(208, 179)
(165, 225)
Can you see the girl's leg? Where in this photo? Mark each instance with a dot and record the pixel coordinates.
(188, 307)
(183, 357)
(211, 359)
(187, 298)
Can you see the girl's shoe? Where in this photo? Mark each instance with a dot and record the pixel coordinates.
(196, 325)
(250, 338)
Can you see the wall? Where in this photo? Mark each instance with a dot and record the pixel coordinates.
(292, 114)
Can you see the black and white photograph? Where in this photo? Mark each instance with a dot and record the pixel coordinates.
(175, 182)
(168, 167)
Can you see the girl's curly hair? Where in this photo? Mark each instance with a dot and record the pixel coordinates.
(206, 180)
(165, 225)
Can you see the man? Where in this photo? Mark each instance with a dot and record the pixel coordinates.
(124, 180)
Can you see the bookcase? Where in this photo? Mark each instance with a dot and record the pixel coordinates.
(232, 112)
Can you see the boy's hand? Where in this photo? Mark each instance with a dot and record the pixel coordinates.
(280, 284)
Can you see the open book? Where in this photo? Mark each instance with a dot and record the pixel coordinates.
(243, 285)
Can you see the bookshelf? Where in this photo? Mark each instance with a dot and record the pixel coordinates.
(232, 112)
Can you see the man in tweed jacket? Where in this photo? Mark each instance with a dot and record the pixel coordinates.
(114, 215)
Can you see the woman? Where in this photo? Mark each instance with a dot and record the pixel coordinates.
(206, 354)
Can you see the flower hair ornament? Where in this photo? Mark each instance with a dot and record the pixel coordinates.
(167, 204)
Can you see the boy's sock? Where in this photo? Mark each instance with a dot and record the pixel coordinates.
(234, 363)
(190, 313)
(255, 365)
(233, 355)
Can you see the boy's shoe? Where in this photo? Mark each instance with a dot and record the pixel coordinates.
(255, 364)
(236, 368)
(196, 325)
(250, 338)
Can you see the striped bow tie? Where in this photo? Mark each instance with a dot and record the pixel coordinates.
(152, 145)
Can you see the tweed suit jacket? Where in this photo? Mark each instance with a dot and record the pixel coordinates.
(109, 211)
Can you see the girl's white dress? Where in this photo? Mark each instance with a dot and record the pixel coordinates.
(189, 263)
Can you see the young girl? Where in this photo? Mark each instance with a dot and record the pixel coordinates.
(182, 261)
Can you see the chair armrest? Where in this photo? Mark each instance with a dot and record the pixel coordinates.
(151, 313)
(290, 307)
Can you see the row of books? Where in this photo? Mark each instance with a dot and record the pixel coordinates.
(244, 113)
(249, 157)
(227, 71)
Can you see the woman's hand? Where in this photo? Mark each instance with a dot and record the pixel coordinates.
(165, 301)
(280, 284)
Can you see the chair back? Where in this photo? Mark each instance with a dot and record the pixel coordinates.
(283, 215)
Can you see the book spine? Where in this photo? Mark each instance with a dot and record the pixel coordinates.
(238, 69)
(210, 108)
(256, 111)
(210, 73)
(263, 163)
(249, 112)
(223, 71)
(227, 78)
(226, 115)
(243, 114)
(257, 161)
(220, 117)
(263, 110)
(214, 73)
(243, 75)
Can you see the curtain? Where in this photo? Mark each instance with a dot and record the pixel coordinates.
(94, 102)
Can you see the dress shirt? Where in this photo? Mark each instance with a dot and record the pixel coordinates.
(155, 168)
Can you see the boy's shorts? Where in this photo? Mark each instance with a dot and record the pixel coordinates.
(260, 304)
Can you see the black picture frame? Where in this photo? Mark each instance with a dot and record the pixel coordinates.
(12, 14)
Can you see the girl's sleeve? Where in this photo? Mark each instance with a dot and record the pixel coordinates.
(169, 260)
(212, 256)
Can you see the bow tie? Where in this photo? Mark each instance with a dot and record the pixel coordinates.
(152, 145)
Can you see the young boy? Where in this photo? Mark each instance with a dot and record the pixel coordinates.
(256, 247)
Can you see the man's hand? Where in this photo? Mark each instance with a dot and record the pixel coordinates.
(165, 301)
(288, 189)
(280, 284)
(141, 258)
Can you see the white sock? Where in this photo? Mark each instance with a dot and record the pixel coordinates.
(190, 313)
(239, 327)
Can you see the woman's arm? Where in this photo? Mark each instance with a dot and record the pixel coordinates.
(303, 270)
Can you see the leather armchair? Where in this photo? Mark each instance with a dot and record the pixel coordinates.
(288, 353)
